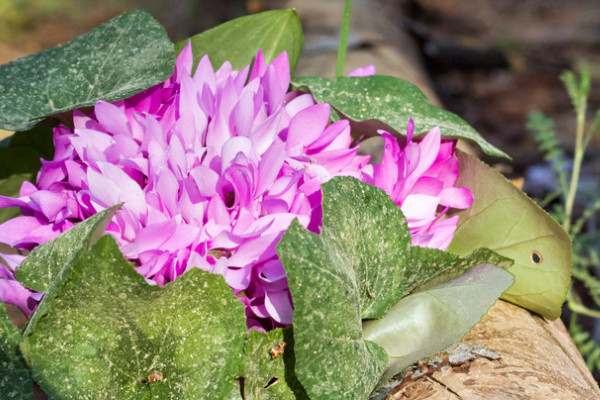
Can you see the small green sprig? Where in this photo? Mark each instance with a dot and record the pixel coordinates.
(585, 256)
(579, 91)
(341, 58)
(585, 343)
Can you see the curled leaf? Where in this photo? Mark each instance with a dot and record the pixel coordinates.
(503, 219)
(426, 322)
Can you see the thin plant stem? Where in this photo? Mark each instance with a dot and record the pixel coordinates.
(341, 58)
(577, 160)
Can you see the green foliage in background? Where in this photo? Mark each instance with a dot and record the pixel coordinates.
(586, 259)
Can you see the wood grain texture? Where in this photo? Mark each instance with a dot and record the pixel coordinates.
(538, 361)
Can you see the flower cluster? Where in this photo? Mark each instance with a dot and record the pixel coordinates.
(420, 178)
(211, 168)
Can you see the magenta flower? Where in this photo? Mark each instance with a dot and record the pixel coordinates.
(211, 168)
(363, 71)
(420, 178)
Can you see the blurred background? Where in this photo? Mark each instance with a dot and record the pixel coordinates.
(490, 62)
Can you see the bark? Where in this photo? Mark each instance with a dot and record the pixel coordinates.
(537, 358)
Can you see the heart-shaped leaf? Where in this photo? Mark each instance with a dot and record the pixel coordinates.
(113, 61)
(15, 381)
(359, 266)
(429, 321)
(332, 359)
(505, 220)
(387, 102)
(107, 334)
(238, 41)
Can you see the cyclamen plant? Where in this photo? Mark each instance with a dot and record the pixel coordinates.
(243, 207)
(213, 183)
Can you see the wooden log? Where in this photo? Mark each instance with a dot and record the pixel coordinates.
(537, 358)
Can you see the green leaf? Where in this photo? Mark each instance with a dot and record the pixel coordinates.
(10, 187)
(426, 322)
(113, 61)
(451, 265)
(39, 139)
(21, 152)
(238, 41)
(503, 219)
(268, 377)
(357, 268)
(385, 102)
(20, 156)
(107, 330)
(332, 359)
(15, 382)
(50, 263)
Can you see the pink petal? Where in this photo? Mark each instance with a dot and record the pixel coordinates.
(259, 67)
(308, 125)
(19, 230)
(12, 292)
(419, 206)
(385, 176)
(363, 71)
(456, 197)
(279, 306)
(298, 104)
(112, 118)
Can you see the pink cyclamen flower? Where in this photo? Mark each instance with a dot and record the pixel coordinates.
(363, 71)
(211, 168)
(420, 178)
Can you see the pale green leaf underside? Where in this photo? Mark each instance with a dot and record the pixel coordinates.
(238, 41)
(106, 330)
(503, 219)
(429, 321)
(113, 61)
(15, 381)
(389, 101)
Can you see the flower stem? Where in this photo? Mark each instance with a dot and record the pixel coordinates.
(339, 70)
(577, 160)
